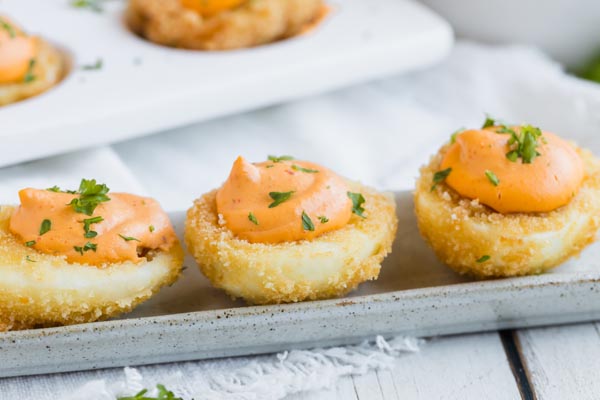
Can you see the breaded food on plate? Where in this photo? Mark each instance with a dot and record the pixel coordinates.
(28, 64)
(82, 256)
(508, 200)
(221, 24)
(286, 231)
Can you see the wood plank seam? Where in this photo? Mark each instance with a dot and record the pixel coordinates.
(512, 348)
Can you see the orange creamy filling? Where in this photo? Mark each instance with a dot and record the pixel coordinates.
(282, 200)
(16, 52)
(481, 168)
(126, 227)
(208, 8)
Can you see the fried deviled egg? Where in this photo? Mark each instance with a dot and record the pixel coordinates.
(82, 256)
(508, 200)
(286, 231)
(28, 64)
(221, 24)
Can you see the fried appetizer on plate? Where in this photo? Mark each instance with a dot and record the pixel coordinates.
(508, 200)
(221, 24)
(28, 64)
(82, 256)
(286, 231)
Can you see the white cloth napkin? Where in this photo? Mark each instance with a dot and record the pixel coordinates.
(379, 133)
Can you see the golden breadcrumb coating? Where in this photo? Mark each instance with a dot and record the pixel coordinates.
(48, 70)
(462, 231)
(255, 22)
(331, 265)
(41, 290)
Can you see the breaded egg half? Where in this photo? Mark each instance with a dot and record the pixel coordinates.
(48, 70)
(41, 290)
(474, 239)
(248, 23)
(328, 266)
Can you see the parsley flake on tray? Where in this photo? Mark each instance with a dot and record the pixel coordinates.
(93, 67)
(93, 5)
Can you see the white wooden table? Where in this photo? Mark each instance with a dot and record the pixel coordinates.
(381, 133)
(544, 363)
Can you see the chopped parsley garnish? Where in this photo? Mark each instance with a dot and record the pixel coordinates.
(151, 228)
(29, 76)
(524, 145)
(86, 247)
(8, 28)
(93, 67)
(323, 219)
(30, 243)
(86, 226)
(512, 156)
(489, 121)
(492, 177)
(455, 134)
(269, 166)
(91, 195)
(302, 169)
(29, 259)
(163, 394)
(252, 218)
(280, 158)
(129, 238)
(440, 177)
(357, 201)
(57, 189)
(307, 223)
(45, 227)
(279, 197)
(483, 259)
(93, 5)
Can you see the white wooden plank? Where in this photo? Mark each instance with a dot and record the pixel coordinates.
(458, 367)
(387, 385)
(562, 361)
(344, 390)
(367, 386)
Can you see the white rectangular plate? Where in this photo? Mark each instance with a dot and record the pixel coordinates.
(414, 295)
(145, 88)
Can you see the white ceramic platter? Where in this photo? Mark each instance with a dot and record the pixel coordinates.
(414, 295)
(144, 88)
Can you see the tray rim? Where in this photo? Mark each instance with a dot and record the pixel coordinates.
(465, 288)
